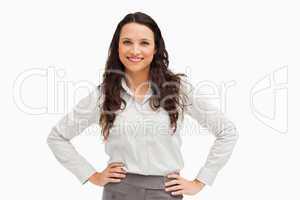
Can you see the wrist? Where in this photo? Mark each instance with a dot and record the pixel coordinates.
(93, 176)
(198, 182)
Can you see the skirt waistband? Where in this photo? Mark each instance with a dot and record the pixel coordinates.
(146, 181)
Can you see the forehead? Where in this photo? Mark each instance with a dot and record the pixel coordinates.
(136, 31)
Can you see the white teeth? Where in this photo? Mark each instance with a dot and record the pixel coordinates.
(135, 59)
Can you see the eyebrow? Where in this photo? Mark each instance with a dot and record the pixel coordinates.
(125, 38)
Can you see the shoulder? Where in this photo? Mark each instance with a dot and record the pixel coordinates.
(92, 99)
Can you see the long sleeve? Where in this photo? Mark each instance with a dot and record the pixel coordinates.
(225, 132)
(84, 114)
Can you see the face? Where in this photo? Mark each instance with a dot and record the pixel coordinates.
(136, 47)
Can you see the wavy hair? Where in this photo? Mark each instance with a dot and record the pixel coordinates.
(164, 83)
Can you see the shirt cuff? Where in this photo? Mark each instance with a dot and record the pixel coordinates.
(84, 175)
(206, 176)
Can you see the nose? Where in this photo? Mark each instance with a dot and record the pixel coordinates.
(135, 50)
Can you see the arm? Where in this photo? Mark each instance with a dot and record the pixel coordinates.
(85, 113)
(219, 125)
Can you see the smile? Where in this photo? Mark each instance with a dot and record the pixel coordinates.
(134, 59)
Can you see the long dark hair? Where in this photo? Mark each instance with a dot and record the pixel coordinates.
(167, 84)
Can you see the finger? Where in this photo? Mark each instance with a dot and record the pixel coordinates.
(123, 169)
(178, 173)
(179, 192)
(174, 188)
(117, 175)
(174, 176)
(116, 164)
(173, 182)
(117, 169)
(114, 180)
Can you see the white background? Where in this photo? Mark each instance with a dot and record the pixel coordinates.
(239, 42)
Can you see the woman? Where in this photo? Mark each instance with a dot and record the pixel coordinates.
(139, 105)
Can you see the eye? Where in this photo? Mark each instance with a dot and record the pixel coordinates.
(145, 43)
(126, 42)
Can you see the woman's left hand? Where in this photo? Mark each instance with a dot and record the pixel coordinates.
(180, 185)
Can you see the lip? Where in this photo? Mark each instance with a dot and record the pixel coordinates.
(135, 59)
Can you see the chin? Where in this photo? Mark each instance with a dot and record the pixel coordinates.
(133, 68)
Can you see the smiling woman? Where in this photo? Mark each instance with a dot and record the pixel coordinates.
(136, 48)
(139, 106)
(136, 51)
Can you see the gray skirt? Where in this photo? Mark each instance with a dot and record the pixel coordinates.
(139, 187)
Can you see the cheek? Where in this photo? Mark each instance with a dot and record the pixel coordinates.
(122, 51)
(123, 55)
(149, 54)
(149, 58)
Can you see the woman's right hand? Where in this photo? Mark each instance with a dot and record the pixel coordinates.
(112, 173)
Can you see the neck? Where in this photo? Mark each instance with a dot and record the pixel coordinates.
(137, 82)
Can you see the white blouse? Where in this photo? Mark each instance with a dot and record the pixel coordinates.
(141, 138)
